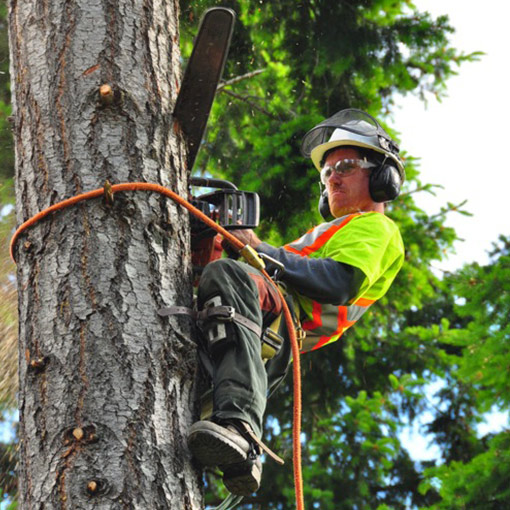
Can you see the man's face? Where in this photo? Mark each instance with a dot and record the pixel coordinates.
(347, 193)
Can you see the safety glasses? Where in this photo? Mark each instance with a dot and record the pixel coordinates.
(344, 167)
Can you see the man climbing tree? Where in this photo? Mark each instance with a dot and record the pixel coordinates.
(333, 273)
(106, 386)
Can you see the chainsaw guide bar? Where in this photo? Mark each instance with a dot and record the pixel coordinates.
(202, 76)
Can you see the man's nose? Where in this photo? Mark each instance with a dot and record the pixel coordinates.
(335, 177)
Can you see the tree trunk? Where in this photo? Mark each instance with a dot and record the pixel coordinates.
(106, 385)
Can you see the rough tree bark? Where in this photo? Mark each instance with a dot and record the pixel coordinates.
(106, 386)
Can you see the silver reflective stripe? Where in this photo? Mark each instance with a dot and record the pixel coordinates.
(329, 321)
(354, 312)
(329, 318)
(310, 237)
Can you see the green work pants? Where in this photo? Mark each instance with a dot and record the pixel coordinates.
(241, 380)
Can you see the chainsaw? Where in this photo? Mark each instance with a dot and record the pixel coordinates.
(228, 206)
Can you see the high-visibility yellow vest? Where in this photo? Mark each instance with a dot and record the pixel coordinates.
(369, 241)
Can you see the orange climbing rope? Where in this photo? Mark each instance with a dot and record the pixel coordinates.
(250, 255)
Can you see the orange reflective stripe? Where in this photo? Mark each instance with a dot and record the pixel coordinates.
(323, 238)
(364, 302)
(316, 318)
(292, 250)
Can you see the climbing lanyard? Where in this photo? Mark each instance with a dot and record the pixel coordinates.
(246, 251)
(229, 502)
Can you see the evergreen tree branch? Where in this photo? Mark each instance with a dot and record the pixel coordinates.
(237, 79)
(250, 103)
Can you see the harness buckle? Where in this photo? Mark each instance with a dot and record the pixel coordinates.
(271, 343)
(300, 335)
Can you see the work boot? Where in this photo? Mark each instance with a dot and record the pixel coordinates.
(243, 479)
(224, 446)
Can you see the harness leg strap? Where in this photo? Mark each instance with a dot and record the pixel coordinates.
(213, 312)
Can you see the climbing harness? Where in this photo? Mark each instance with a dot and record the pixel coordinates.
(251, 257)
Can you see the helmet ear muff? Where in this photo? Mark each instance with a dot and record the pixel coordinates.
(385, 183)
(324, 209)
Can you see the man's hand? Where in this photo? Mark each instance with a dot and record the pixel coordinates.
(247, 237)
